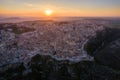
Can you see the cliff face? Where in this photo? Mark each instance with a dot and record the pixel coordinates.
(105, 47)
(110, 55)
(101, 39)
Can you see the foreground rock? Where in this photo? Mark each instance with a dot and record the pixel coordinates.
(11, 71)
(43, 67)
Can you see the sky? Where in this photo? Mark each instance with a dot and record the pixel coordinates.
(79, 8)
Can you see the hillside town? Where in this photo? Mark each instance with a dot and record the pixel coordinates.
(59, 39)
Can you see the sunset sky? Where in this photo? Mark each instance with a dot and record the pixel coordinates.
(107, 8)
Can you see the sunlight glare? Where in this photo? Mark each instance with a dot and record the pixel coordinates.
(48, 12)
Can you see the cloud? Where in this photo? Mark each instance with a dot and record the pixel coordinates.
(30, 5)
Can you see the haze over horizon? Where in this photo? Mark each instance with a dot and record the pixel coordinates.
(77, 8)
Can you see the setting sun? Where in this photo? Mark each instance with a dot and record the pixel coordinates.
(48, 12)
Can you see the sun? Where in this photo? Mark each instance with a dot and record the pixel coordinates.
(48, 12)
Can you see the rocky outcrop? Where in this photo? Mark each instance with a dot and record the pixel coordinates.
(51, 69)
(43, 67)
(11, 71)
